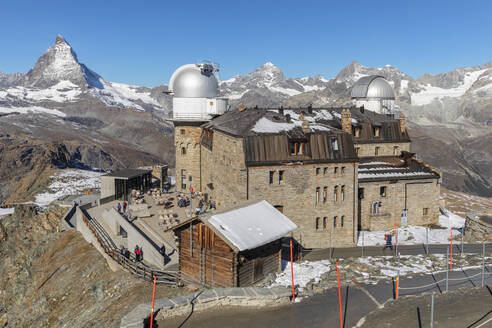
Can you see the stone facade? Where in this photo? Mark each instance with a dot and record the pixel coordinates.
(384, 149)
(414, 195)
(187, 143)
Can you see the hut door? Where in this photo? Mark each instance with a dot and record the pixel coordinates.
(258, 269)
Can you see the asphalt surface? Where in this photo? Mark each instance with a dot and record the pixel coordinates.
(322, 310)
(339, 253)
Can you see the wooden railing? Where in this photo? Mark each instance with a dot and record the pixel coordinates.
(130, 264)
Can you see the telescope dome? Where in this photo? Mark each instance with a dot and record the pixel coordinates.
(194, 81)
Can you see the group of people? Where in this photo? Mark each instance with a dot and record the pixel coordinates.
(204, 206)
(119, 207)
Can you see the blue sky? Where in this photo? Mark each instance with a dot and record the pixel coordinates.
(142, 42)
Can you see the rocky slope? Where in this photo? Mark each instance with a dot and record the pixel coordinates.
(57, 279)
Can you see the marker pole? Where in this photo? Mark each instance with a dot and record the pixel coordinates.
(451, 258)
(292, 271)
(153, 299)
(339, 296)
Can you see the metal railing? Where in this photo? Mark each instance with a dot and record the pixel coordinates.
(137, 268)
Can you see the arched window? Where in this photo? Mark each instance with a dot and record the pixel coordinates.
(335, 194)
(335, 222)
(342, 192)
(317, 223)
(341, 220)
(324, 222)
(183, 151)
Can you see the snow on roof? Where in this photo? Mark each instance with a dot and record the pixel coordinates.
(374, 163)
(392, 175)
(252, 225)
(384, 168)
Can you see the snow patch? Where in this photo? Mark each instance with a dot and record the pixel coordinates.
(303, 273)
(32, 110)
(68, 182)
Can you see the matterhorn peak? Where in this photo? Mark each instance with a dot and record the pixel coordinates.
(60, 63)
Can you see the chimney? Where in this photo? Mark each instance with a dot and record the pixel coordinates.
(347, 121)
(402, 123)
(305, 127)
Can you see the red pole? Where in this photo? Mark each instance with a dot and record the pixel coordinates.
(396, 292)
(451, 258)
(152, 313)
(339, 296)
(292, 271)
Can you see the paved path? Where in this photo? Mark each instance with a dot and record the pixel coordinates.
(324, 254)
(322, 310)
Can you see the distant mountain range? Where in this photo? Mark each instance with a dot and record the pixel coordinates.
(62, 100)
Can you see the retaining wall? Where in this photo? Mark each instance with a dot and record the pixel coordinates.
(199, 301)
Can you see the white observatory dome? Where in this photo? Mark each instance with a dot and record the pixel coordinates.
(195, 90)
(374, 93)
(372, 87)
(193, 81)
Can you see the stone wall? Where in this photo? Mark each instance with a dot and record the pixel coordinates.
(224, 171)
(187, 138)
(297, 197)
(419, 194)
(385, 149)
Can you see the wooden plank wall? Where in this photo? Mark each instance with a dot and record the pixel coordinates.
(212, 265)
(270, 256)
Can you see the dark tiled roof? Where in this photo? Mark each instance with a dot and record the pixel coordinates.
(127, 173)
(394, 168)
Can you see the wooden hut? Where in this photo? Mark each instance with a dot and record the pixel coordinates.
(234, 247)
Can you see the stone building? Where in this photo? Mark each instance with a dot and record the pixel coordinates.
(332, 171)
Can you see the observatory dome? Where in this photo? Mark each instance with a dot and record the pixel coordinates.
(372, 87)
(193, 81)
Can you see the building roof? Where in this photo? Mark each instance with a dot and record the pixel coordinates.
(248, 225)
(127, 173)
(372, 87)
(404, 167)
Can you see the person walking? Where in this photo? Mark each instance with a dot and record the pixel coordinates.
(389, 243)
(124, 206)
(118, 207)
(137, 252)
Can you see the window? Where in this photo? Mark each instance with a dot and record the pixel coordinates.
(335, 194)
(335, 170)
(342, 192)
(183, 131)
(357, 132)
(375, 208)
(335, 222)
(324, 222)
(280, 177)
(343, 170)
(357, 151)
(279, 208)
(325, 194)
(334, 143)
(341, 220)
(396, 150)
(361, 193)
(382, 191)
(183, 151)
(272, 175)
(425, 211)
(376, 151)
(183, 178)
(377, 131)
(317, 170)
(297, 148)
(317, 195)
(317, 224)
(325, 170)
